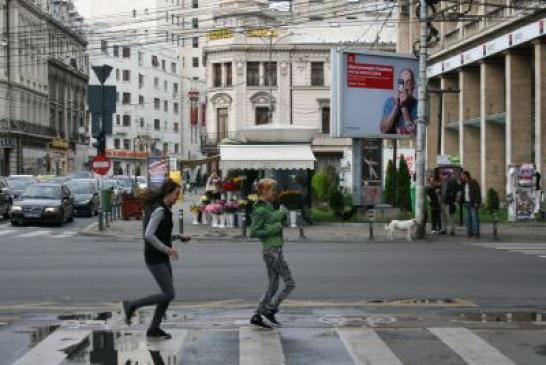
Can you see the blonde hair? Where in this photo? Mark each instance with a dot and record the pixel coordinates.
(266, 185)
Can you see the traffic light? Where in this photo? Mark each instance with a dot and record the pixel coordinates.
(100, 144)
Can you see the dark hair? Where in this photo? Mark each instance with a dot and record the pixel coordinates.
(466, 173)
(150, 197)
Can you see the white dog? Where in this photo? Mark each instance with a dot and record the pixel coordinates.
(400, 226)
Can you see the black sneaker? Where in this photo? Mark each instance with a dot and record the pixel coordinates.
(271, 318)
(157, 334)
(126, 311)
(257, 320)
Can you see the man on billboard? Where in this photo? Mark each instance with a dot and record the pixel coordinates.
(400, 111)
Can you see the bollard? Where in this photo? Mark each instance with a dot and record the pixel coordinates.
(101, 220)
(243, 223)
(181, 221)
(495, 223)
(371, 219)
(114, 211)
(300, 225)
(106, 219)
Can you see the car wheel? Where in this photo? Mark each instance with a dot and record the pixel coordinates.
(5, 215)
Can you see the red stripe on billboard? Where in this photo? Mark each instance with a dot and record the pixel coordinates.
(369, 76)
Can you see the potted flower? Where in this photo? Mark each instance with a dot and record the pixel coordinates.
(230, 208)
(215, 210)
(293, 201)
(229, 187)
(196, 212)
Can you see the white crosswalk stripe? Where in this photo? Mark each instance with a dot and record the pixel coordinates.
(534, 249)
(35, 234)
(366, 347)
(260, 347)
(472, 348)
(31, 233)
(65, 234)
(8, 231)
(362, 345)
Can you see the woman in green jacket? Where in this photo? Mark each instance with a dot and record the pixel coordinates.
(267, 226)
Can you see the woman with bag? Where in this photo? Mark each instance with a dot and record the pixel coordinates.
(267, 226)
(158, 252)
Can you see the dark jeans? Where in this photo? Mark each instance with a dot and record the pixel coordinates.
(276, 267)
(472, 219)
(163, 275)
(435, 219)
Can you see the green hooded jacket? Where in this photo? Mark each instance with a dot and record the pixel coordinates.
(267, 225)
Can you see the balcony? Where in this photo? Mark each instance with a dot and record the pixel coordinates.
(210, 141)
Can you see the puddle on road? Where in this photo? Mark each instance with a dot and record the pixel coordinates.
(121, 348)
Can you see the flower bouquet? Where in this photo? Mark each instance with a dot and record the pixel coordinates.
(215, 210)
(231, 206)
(196, 212)
(252, 198)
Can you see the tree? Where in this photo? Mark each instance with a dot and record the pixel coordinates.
(492, 200)
(403, 193)
(389, 192)
(321, 185)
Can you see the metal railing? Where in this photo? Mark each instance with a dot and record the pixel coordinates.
(212, 140)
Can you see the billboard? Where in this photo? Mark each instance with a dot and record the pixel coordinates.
(373, 94)
(158, 171)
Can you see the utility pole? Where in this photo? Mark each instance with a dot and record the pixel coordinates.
(421, 125)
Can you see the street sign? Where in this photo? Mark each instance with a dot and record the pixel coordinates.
(101, 164)
(102, 72)
(95, 96)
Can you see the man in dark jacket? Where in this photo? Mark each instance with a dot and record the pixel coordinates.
(472, 199)
(433, 194)
(448, 194)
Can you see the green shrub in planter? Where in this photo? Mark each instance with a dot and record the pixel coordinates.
(336, 202)
(493, 202)
(321, 185)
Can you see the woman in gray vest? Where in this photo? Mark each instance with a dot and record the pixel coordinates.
(158, 252)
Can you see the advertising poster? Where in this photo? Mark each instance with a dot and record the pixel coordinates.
(371, 170)
(373, 94)
(409, 157)
(158, 171)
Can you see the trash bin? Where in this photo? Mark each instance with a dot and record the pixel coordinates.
(107, 200)
(131, 207)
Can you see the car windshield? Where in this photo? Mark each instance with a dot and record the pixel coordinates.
(125, 183)
(109, 184)
(19, 184)
(42, 192)
(141, 180)
(80, 188)
(81, 175)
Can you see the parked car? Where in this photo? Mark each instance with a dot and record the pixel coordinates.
(18, 184)
(86, 197)
(5, 199)
(142, 182)
(81, 175)
(43, 203)
(126, 183)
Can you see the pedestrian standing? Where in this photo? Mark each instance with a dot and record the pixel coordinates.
(448, 195)
(433, 193)
(158, 251)
(472, 199)
(267, 226)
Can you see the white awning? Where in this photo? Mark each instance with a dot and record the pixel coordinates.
(267, 157)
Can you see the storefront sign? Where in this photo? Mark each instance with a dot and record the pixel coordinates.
(59, 143)
(217, 34)
(261, 33)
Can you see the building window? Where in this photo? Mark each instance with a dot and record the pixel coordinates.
(157, 124)
(142, 122)
(126, 120)
(270, 73)
(116, 51)
(155, 61)
(222, 116)
(126, 98)
(141, 99)
(173, 67)
(317, 73)
(175, 127)
(253, 74)
(157, 104)
(166, 85)
(140, 58)
(175, 88)
(126, 75)
(165, 148)
(262, 115)
(126, 52)
(163, 65)
(195, 61)
(175, 108)
(117, 143)
(195, 4)
(166, 106)
(217, 72)
(326, 120)
(140, 81)
(229, 74)
(195, 42)
(117, 74)
(126, 144)
(176, 148)
(104, 47)
(195, 23)
(156, 82)
(118, 119)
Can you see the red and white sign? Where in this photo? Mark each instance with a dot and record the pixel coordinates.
(369, 76)
(101, 164)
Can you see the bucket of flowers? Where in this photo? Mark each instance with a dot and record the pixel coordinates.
(230, 208)
(196, 212)
(215, 210)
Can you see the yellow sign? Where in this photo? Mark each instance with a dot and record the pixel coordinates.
(217, 34)
(261, 33)
(59, 143)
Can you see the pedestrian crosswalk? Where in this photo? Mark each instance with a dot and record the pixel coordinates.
(252, 346)
(534, 249)
(7, 231)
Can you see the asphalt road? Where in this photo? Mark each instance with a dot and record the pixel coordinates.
(76, 269)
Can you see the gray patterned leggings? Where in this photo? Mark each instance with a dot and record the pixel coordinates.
(276, 266)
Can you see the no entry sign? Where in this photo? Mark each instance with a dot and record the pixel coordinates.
(101, 164)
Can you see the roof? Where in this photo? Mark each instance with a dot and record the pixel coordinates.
(267, 157)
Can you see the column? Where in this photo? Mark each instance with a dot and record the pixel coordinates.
(519, 126)
(540, 107)
(469, 117)
(450, 114)
(433, 126)
(493, 130)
